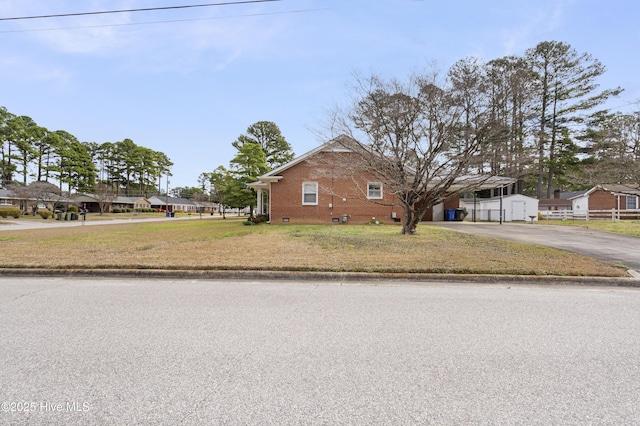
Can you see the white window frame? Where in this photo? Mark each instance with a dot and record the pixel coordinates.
(376, 197)
(635, 202)
(315, 192)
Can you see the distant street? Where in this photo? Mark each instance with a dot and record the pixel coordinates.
(108, 351)
(18, 225)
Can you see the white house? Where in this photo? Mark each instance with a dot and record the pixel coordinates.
(514, 207)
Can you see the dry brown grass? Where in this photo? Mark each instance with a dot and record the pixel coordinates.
(626, 227)
(211, 245)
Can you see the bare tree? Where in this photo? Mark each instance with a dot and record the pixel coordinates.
(105, 195)
(37, 193)
(419, 137)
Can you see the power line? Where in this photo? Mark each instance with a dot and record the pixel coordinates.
(136, 10)
(159, 22)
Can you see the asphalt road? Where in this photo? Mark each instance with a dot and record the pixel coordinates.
(621, 249)
(107, 351)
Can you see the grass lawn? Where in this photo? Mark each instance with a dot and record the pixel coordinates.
(627, 227)
(230, 245)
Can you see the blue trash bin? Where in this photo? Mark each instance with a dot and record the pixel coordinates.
(449, 215)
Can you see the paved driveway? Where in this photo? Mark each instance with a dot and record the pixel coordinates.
(155, 352)
(615, 248)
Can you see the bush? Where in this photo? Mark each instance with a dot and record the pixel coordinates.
(248, 223)
(261, 218)
(13, 212)
(117, 210)
(44, 213)
(73, 209)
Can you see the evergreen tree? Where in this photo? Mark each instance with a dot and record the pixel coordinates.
(267, 135)
(566, 92)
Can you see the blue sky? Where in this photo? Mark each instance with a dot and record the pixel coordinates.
(190, 87)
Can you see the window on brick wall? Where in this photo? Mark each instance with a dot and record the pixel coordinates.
(374, 190)
(632, 203)
(310, 193)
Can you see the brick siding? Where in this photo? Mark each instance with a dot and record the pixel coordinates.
(339, 193)
(602, 200)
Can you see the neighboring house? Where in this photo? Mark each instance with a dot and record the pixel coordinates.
(88, 201)
(561, 201)
(91, 202)
(8, 199)
(132, 203)
(315, 188)
(205, 207)
(596, 202)
(607, 197)
(515, 207)
(172, 204)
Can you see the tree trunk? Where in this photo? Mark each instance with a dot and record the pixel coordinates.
(409, 221)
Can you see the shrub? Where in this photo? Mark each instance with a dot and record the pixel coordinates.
(13, 212)
(44, 213)
(73, 209)
(117, 210)
(261, 218)
(248, 223)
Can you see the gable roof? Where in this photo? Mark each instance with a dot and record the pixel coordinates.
(338, 144)
(334, 145)
(7, 194)
(620, 189)
(615, 189)
(129, 200)
(159, 200)
(573, 194)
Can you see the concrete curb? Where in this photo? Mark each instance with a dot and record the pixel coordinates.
(321, 276)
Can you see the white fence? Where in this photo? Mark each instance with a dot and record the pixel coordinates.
(612, 215)
(488, 215)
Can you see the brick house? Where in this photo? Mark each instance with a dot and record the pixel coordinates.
(320, 187)
(606, 197)
(172, 204)
(91, 202)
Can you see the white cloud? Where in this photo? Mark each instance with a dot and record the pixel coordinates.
(17, 68)
(533, 25)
